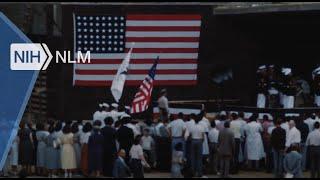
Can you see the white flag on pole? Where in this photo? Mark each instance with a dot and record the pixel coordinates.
(120, 78)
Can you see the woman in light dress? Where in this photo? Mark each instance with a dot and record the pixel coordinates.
(254, 144)
(41, 135)
(76, 143)
(67, 152)
(52, 153)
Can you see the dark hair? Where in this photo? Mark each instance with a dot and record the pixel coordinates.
(40, 126)
(234, 116)
(265, 117)
(146, 130)
(121, 108)
(193, 116)
(68, 122)
(75, 128)
(278, 122)
(108, 120)
(118, 123)
(66, 129)
(316, 125)
(125, 120)
(87, 127)
(137, 140)
(79, 121)
(227, 124)
(241, 114)
(51, 129)
(178, 147)
(58, 126)
(97, 123)
(252, 118)
(213, 124)
(171, 117)
(180, 115)
(198, 118)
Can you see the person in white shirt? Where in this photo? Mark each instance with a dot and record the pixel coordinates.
(177, 129)
(104, 114)
(285, 125)
(313, 143)
(148, 145)
(236, 126)
(213, 136)
(197, 134)
(311, 119)
(137, 158)
(293, 136)
(98, 115)
(206, 126)
(163, 104)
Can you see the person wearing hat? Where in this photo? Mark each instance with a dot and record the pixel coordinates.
(104, 114)
(273, 87)
(163, 105)
(114, 113)
(289, 88)
(98, 115)
(262, 93)
(316, 86)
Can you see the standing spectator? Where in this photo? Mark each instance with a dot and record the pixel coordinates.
(52, 153)
(147, 144)
(189, 125)
(311, 119)
(197, 137)
(266, 124)
(137, 158)
(41, 149)
(213, 136)
(14, 155)
(292, 162)
(226, 149)
(236, 127)
(254, 143)
(163, 105)
(293, 136)
(177, 161)
(95, 145)
(35, 146)
(120, 168)
(177, 129)
(163, 146)
(109, 147)
(278, 140)
(84, 139)
(76, 144)
(304, 130)
(313, 143)
(68, 155)
(125, 136)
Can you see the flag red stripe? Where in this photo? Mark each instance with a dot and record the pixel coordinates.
(170, 17)
(113, 72)
(165, 50)
(142, 61)
(163, 28)
(162, 39)
(137, 82)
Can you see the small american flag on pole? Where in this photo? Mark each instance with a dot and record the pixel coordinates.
(142, 98)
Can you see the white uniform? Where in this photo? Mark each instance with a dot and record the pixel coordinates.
(206, 127)
(310, 122)
(293, 137)
(177, 127)
(261, 101)
(189, 125)
(254, 145)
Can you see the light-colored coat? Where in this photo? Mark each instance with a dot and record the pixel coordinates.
(254, 145)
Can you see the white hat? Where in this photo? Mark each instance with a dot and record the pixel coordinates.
(101, 105)
(127, 107)
(115, 105)
(223, 113)
(286, 71)
(105, 105)
(124, 116)
(262, 67)
(271, 66)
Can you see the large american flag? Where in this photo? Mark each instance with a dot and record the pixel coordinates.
(174, 38)
(142, 98)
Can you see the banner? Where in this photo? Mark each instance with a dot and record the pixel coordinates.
(15, 89)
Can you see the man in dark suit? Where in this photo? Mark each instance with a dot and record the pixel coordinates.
(226, 148)
(125, 136)
(110, 148)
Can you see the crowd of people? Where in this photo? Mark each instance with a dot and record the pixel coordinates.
(115, 145)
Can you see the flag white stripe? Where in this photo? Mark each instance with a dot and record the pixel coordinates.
(164, 45)
(134, 66)
(163, 23)
(144, 56)
(136, 99)
(136, 77)
(162, 34)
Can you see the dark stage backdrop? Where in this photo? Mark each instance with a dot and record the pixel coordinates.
(240, 42)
